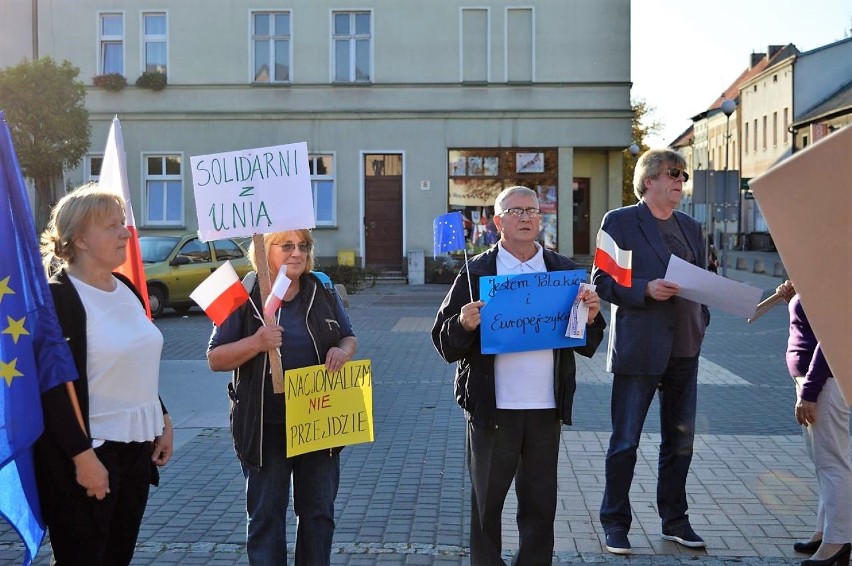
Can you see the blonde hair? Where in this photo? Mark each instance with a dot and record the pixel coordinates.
(273, 238)
(69, 218)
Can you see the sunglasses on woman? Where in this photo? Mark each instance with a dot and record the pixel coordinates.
(289, 247)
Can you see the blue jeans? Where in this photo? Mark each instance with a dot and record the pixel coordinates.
(316, 477)
(631, 398)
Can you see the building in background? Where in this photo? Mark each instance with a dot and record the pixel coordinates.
(407, 112)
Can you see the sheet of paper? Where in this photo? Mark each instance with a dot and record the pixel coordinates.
(579, 315)
(713, 290)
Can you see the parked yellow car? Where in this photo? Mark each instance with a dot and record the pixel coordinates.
(175, 264)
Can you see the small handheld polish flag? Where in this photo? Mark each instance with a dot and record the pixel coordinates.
(220, 294)
(612, 259)
(276, 294)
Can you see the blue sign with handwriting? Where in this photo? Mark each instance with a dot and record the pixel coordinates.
(529, 312)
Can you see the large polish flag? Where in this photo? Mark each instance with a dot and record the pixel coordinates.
(220, 294)
(276, 294)
(612, 259)
(114, 178)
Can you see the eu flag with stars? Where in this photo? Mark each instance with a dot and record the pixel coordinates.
(448, 230)
(34, 356)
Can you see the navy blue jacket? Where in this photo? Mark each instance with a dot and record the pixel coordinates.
(641, 332)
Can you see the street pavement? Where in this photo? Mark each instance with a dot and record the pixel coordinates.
(404, 499)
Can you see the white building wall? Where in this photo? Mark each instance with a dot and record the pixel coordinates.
(16, 32)
(766, 96)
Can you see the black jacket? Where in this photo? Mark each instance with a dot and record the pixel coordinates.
(246, 389)
(474, 382)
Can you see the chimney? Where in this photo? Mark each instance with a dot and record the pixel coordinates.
(755, 59)
(774, 49)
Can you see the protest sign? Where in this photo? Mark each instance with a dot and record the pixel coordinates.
(326, 410)
(528, 312)
(807, 204)
(253, 191)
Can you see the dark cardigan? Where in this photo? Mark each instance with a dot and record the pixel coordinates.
(63, 438)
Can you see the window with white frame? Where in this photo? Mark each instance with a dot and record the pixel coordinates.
(163, 189)
(322, 184)
(270, 36)
(352, 46)
(155, 43)
(111, 37)
(93, 164)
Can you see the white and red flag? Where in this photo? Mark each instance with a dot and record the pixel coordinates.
(276, 294)
(612, 259)
(113, 178)
(220, 294)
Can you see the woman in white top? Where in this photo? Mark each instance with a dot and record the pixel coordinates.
(101, 445)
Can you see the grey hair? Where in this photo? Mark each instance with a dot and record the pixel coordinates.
(506, 193)
(650, 165)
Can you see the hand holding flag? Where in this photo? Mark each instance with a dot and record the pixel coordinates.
(220, 294)
(613, 260)
(276, 294)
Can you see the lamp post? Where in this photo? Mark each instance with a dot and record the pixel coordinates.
(728, 106)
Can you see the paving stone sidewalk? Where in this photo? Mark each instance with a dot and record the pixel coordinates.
(404, 498)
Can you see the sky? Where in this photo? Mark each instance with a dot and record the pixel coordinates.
(684, 53)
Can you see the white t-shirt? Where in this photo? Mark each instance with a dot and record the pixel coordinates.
(123, 365)
(523, 380)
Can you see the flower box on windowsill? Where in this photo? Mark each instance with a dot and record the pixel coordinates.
(110, 81)
(153, 81)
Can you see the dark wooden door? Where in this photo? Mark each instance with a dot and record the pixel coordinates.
(383, 211)
(581, 216)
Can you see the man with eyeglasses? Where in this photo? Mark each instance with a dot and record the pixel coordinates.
(515, 403)
(654, 342)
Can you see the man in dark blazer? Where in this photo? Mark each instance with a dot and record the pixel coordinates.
(654, 342)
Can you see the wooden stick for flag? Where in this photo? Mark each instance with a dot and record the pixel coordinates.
(75, 403)
(766, 305)
(467, 268)
(265, 287)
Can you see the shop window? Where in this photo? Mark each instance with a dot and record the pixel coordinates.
(476, 177)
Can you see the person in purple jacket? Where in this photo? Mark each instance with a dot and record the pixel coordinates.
(824, 414)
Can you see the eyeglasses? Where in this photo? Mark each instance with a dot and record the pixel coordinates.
(518, 212)
(674, 173)
(304, 247)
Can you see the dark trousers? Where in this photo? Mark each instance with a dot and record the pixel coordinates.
(524, 446)
(87, 532)
(316, 478)
(631, 398)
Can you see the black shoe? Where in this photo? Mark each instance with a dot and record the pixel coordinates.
(841, 558)
(684, 535)
(808, 547)
(617, 543)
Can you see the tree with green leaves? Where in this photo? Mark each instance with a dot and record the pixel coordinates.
(643, 124)
(46, 112)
